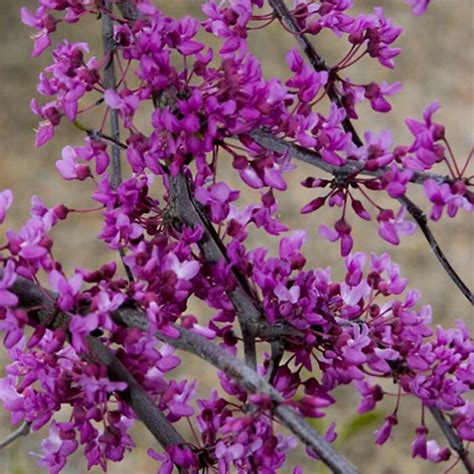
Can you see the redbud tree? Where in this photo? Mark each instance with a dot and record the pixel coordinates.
(282, 337)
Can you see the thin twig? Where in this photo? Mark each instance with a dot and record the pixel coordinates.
(284, 15)
(420, 217)
(98, 135)
(22, 430)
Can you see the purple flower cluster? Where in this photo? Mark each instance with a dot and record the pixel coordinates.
(207, 108)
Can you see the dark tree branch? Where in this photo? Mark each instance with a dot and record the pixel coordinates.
(32, 296)
(185, 210)
(136, 396)
(284, 15)
(453, 439)
(279, 145)
(110, 81)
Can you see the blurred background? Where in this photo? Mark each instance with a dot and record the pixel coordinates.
(436, 64)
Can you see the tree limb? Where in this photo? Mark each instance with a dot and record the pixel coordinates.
(185, 210)
(110, 81)
(271, 142)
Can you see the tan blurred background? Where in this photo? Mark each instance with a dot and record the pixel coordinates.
(437, 63)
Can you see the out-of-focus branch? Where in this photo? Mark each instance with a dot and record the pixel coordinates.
(22, 430)
(284, 15)
(32, 297)
(128, 11)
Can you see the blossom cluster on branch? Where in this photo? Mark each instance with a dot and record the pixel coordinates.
(190, 242)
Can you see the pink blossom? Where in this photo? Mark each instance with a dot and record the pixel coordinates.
(6, 200)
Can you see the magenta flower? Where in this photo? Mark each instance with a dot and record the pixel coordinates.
(382, 434)
(185, 270)
(376, 94)
(397, 181)
(418, 447)
(6, 200)
(426, 135)
(80, 328)
(342, 232)
(44, 133)
(58, 446)
(352, 351)
(125, 101)
(390, 225)
(11, 400)
(218, 196)
(67, 289)
(7, 298)
(418, 7)
(44, 22)
(443, 195)
(68, 166)
(436, 454)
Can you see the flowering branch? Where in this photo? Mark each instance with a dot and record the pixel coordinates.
(185, 210)
(279, 145)
(192, 242)
(285, 16)
(43, 307)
